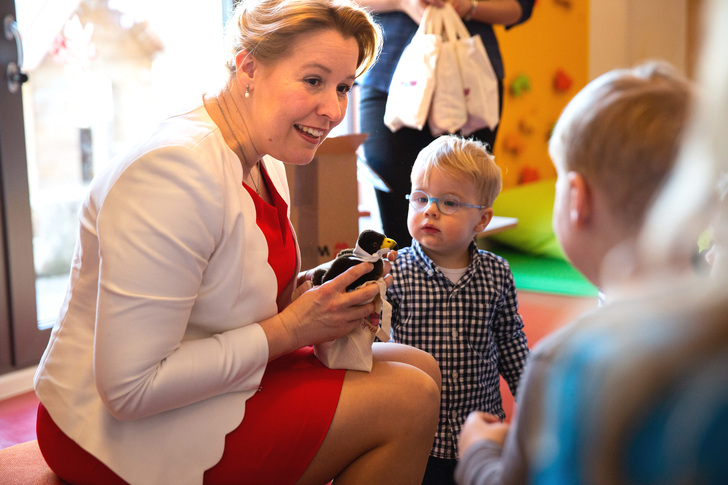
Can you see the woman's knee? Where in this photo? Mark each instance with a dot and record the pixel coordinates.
(400, 398)
(414, 397)
(422, 386)
(391, 352)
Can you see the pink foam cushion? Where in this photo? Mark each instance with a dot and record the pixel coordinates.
(532, 204)
(23, 464)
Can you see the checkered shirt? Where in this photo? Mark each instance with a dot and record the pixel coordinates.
(472, 328)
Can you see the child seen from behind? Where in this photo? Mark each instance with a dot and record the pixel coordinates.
(613, 147)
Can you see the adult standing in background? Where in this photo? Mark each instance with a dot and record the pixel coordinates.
(389, 154)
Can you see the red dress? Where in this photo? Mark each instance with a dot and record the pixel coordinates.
(285, 422)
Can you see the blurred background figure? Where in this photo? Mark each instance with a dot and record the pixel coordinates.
(641, 396)
(389, 154)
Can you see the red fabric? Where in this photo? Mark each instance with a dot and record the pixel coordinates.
(285, 422)
(69, 461)
(284, 425)
(273, 222)
(283, 428)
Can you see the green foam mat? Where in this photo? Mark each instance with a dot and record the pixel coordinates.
(544, 274)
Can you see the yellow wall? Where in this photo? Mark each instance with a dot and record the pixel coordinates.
(555, 38)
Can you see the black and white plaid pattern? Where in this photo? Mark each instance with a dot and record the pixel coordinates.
(472, 328)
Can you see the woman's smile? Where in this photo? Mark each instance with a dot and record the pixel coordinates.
(314, 135)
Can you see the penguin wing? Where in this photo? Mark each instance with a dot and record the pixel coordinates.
(339, 265)
(373, 275)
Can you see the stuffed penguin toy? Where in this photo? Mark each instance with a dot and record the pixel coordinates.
(370, 247)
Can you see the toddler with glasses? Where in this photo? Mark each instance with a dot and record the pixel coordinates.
(453, 300)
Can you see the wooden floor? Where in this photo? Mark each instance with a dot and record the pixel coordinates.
(17, 419)
(541, 314)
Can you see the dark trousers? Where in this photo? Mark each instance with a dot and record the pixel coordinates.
(440, 471)
(391, 155)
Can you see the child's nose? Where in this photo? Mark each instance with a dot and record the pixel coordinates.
(432, 208)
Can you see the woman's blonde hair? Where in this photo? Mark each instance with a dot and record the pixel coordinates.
(268, 28)
(465, 159)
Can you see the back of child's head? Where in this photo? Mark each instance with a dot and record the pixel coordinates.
(622, 133)
(468, 160)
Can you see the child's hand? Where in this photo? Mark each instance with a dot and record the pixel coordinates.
(481, 426)
(388, 258)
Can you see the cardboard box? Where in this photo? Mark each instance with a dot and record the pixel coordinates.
(324, 200)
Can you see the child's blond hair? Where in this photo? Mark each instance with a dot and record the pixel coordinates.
(465, 159)
(622, 133)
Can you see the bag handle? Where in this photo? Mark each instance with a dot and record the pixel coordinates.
(454, 25)
(424, 27)
(432, 20)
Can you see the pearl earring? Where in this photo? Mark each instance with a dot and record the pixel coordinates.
(247, 90)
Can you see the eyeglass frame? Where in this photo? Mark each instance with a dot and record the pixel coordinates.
(436, 200)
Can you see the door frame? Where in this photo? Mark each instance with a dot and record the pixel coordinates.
(21, 342)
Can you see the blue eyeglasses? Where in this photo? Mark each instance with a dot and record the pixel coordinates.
(447, 204)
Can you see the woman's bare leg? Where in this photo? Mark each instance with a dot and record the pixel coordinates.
(383, 427)
(406, 354)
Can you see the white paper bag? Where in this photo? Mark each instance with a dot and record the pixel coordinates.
(448, 111)
(413, 81)
(353, 351)
(480, 83)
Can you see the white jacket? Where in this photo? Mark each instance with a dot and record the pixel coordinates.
(157, 348)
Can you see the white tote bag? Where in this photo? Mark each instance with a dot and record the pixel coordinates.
(449, 111)
(480, 83)
(413, 81)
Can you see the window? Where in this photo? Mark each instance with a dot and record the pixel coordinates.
(101, 73)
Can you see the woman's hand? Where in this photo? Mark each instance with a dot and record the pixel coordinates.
(322, 313)
(462, 7)
(481, 426)
(416, 8)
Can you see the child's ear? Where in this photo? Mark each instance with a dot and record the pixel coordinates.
(580, 199)
(485, 218)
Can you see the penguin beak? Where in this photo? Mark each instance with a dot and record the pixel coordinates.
(388, 244)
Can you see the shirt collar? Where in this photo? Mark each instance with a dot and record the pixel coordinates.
(429, 266)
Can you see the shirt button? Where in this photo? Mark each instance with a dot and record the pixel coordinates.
(455, 334)
(455, 374)
(454, 415)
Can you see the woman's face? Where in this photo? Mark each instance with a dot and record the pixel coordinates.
(297, 100)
